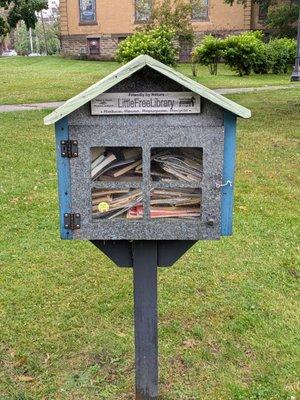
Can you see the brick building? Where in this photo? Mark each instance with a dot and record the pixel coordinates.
(95, 27)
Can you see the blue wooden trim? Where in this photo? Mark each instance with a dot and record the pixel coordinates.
(64, 176)
(228, 173)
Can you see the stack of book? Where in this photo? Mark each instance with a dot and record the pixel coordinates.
(115, 203)
(179, 203)
(117, 164)
(177, 164)
(128, 203)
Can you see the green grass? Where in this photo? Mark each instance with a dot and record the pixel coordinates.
(229, 310)
(39, 79)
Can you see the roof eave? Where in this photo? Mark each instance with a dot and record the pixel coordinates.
(129, 69)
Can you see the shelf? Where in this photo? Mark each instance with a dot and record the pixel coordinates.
(115, 185)
(176, 185)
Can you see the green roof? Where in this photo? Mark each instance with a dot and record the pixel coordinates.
(129, 69)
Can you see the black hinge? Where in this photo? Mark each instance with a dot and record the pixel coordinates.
(72, 221)
(69, 148)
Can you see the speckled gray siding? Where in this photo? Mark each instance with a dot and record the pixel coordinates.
(193, 130)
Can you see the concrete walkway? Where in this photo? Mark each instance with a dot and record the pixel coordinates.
(56, 104)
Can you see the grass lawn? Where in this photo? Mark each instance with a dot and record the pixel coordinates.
(229, 310)
(38, 79)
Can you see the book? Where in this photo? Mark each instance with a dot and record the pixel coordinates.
(107, 160)
(118, 203)
(177, 164)
(127, 169)
(110, 164)
(96, 152)
(97, 161)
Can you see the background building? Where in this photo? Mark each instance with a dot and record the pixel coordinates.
(95, 27)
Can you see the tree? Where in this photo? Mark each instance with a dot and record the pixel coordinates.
(280, 19)
(22, 44)
(175, 15)
(19, 10)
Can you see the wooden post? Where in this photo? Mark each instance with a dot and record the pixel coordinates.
(145, 319)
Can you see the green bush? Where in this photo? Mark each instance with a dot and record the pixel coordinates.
(157, 43)
(262, 63)
(209, 53)
(282, 53)
(241, 52)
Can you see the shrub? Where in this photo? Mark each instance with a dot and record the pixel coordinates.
(209, 53)
(282, 53)
(157, 43)
(282, 20)
(242, 51)
(262, 63)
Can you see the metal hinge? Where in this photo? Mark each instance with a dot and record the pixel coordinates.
(69, 148)
(72, 221)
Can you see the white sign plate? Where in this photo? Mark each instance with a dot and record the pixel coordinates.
(146, 103)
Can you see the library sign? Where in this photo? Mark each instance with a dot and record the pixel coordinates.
(146, 103)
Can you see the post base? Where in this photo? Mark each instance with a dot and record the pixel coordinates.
(296, 72)
(295, 76)
(141, 396)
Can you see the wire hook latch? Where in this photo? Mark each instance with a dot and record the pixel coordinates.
(221, 185)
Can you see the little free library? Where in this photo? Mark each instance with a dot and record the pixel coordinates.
(146, 164)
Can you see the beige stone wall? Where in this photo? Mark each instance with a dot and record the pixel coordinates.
(76, 45)
(118, 17)
(223, 17)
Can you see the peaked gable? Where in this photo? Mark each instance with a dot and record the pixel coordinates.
(129, 69)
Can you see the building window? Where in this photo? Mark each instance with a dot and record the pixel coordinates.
(87, 10)
(143, 10)
(263, 12)
(199, 9)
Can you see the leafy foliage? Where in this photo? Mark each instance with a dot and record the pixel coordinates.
(22, 44)
(261, 63)
(246, 52)
(4, 27)
(242, 50)
(209, 53)
(282, 20)
(281, 52)
(19, 10)
(156, 43)
(174, 15)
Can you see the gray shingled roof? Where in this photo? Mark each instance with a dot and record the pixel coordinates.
(130, 68)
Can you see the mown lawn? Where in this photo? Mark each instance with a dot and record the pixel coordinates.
(229, 310)
(38, 79)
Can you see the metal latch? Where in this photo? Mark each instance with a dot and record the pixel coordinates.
(221, 185)
(72, 221)
(69, 148)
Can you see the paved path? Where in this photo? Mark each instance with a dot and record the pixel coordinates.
(53, 105)
(257, 89)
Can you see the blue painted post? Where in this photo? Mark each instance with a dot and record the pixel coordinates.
(145, 319)
(228, 173)
(64, 176)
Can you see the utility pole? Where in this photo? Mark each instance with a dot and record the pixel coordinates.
(296, 73)
(44, 33)
(31, 41)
